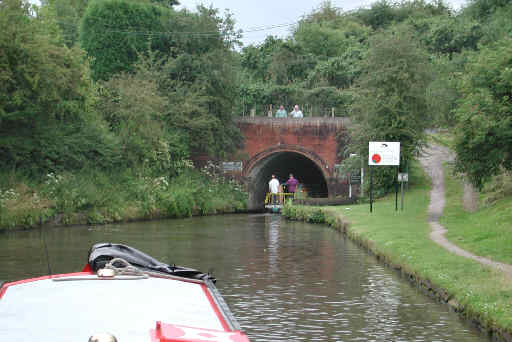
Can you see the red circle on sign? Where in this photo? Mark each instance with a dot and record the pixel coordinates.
(376, 158)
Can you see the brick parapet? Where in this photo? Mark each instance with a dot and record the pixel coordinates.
(313, 136)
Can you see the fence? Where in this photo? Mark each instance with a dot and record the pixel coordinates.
(307, 109)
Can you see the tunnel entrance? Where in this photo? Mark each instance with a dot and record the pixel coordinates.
(281, 164)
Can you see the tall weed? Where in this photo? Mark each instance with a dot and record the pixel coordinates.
(96, 197)
(499, 187)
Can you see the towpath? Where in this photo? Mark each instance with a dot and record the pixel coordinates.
(432, 160)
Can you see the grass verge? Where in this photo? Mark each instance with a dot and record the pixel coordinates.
(401, 239)
(443, 137)
(486, 232)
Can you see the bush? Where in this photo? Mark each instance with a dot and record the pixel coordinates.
(316, 216)
(498, 187)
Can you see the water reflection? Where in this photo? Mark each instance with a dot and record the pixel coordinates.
(284, 281)
(273, 222)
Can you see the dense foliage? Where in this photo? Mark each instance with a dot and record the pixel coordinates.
(137, 85)
(159, 98)
(396, 68)
(391, 104)
(155, 101)
(189, 69)
(45, 117)
(114, 32)
(484, 134)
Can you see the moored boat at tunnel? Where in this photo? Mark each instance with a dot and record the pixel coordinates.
(274, 202)
(121, 295)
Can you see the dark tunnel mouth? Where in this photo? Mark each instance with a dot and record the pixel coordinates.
(281, 164)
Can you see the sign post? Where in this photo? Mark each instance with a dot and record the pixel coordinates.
(403, 178)
(383, 154)
(396, 188)
(371, 190)
(355, 178)
(361, 187)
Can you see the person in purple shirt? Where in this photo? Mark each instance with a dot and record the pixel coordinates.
(292, 183)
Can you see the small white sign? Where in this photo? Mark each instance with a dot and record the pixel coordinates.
(232, 166)
(403, 177)
(383, 153)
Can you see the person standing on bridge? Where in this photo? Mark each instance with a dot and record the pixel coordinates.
(281, 112)
(273, 186)
(292, 183)
(296, 112)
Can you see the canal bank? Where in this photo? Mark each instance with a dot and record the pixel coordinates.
(99, 198)
(400, 239)
(41, 220)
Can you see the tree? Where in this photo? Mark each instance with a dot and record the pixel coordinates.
(193, 59)
(200, 90)
(320, 39)
(384, 14)
(45, 94)
(498, 25)
(442, 93)
(484, 132)
(483, 9)
(135, 111)
(114, 32)
(379, 15)
(449, 35)
(339, 72)
(257, 59)
(168, 3)
(391, 102)
(68, 14)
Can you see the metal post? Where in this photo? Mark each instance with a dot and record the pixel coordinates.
(361, 188)
(407, 171)
(396, 189)
(402, 200)
(371, 190)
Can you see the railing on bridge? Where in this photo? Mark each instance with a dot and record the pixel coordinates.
(308, 121)
(308, 110)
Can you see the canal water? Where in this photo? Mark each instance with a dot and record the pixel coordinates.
(284, 281)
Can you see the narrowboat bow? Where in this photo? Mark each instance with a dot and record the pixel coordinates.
(121, 295)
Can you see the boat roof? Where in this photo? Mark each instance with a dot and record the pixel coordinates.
(75, 306)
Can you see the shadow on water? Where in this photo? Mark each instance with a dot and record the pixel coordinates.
(284, 280)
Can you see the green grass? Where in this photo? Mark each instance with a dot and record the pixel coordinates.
(443, 137)
(487, 232)
(402, 238)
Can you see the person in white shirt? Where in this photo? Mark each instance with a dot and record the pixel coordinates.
(273, 186)
(296, 112)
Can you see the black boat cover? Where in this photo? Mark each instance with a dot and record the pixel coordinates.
(101, 253)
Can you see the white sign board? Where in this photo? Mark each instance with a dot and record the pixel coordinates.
(383, 153)
(232, 166)
(403, 177)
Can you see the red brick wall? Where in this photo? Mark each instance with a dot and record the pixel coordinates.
(314, 138)
(317, 135)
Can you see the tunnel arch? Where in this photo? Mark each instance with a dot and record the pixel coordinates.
(310, 169)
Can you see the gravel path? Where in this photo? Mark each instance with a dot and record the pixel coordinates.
(432, 160)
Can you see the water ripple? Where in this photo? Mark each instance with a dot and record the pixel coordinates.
(284, 281)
